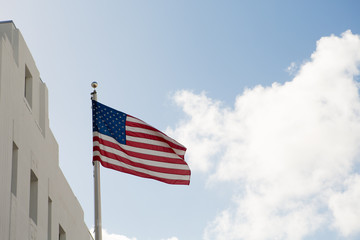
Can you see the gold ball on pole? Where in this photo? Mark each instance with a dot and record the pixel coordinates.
(94, 84)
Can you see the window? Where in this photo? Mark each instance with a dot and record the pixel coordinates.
(28, 86)
(49, 217)
(62, 234)
(14, 169)
(42, 106)
(33, 197)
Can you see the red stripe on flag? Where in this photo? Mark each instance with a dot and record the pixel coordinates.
(153, 137)
(140, 165)
(141, 125)
(140, 155)
(149, 146)
(139, 174)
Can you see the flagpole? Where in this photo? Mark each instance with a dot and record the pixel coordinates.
(97, 196)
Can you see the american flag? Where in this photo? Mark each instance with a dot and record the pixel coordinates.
(127, 144)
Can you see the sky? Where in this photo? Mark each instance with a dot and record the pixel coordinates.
(264, 95)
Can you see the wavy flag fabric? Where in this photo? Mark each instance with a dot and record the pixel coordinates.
(127, 144)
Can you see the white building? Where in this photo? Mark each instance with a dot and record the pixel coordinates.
(36, 202)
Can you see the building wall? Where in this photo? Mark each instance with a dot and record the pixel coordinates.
(36, 202)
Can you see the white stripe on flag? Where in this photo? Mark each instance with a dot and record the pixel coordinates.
(154, 142)
(142, 170)
(140, 160)
(138, 150)
(151, 132)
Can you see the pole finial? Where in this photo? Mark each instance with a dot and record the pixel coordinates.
(94, 85)
(94, 94)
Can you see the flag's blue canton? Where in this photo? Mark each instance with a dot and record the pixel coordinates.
(109, 121)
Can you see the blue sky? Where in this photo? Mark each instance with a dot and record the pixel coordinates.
(182, 66)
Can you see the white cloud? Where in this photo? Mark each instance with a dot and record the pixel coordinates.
(172, 238)
(198, 108)
(111, 236)
(292, 68)
(289, 148)
(346, 207)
